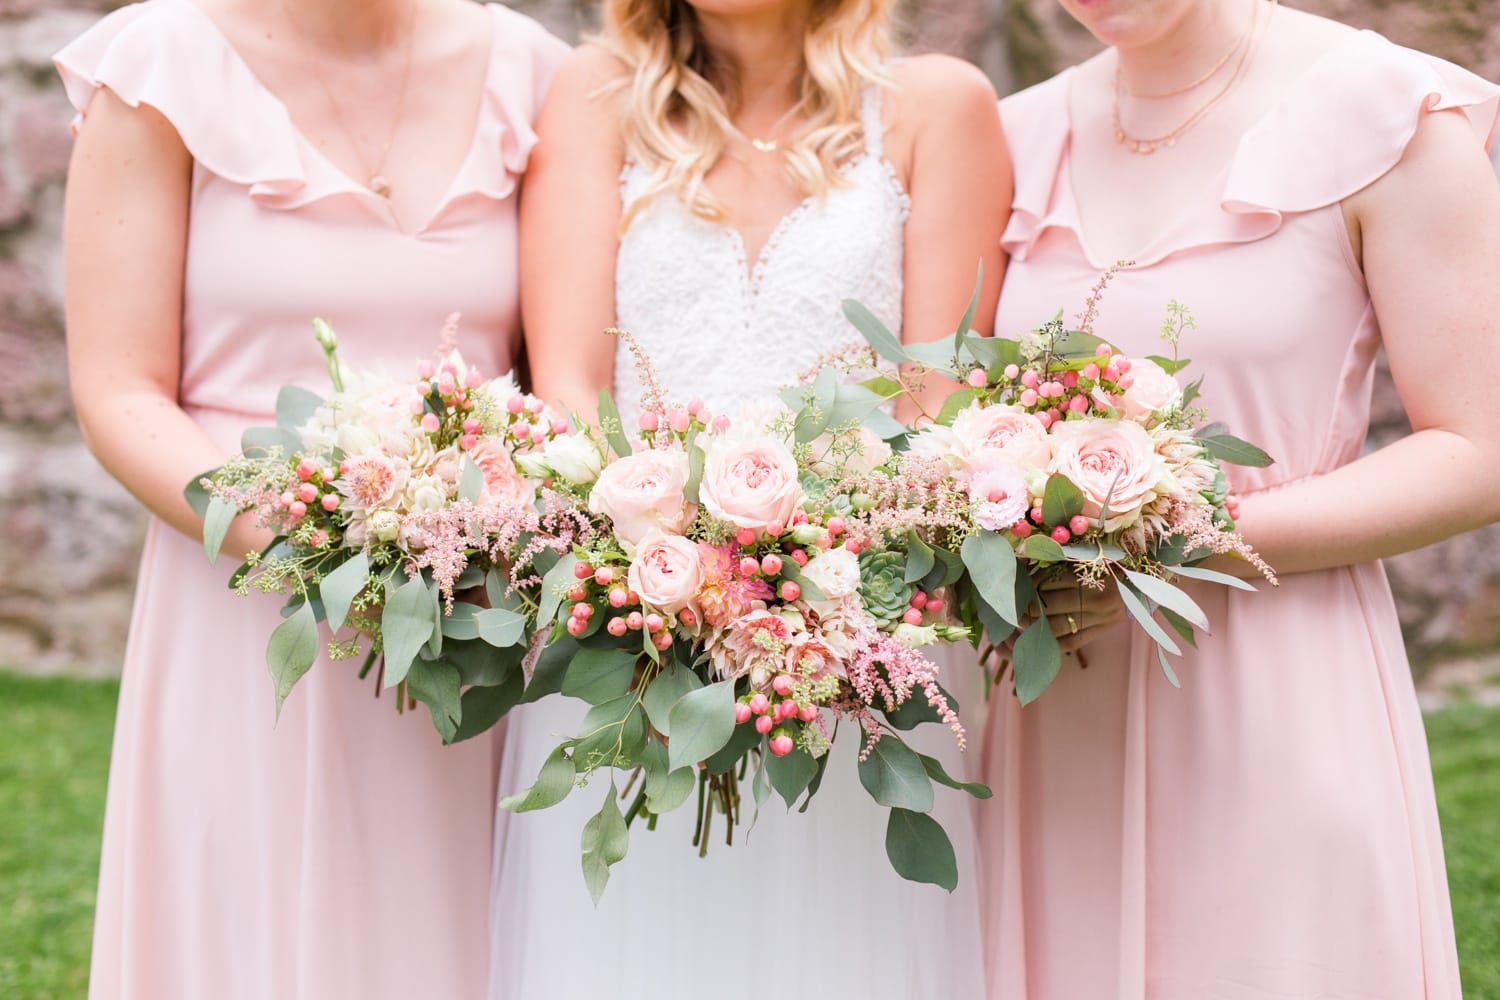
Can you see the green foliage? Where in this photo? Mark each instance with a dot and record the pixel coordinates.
(991, 563)
(701, 721)
(1038, 659)
(893, 774)
(920, 850)
(291, 651)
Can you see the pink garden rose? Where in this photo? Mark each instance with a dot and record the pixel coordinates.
(992, 433)
(503, 483)
(998, 491)
(371, 480)
(750, 481)
(643, 492)
(1151, 391)
(665, 572)
(1110, 461)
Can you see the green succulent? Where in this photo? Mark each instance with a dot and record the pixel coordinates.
(883, 586)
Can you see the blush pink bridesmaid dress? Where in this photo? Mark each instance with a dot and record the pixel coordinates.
(341, 851)
(1269, 830)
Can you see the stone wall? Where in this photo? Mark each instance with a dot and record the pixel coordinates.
(69, 536)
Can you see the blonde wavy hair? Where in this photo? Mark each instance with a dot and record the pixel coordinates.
(677, 120)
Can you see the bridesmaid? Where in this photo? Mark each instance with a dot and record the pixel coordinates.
(243, 167)
(1312, 193)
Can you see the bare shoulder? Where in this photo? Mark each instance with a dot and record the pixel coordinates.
(933, 82)
(139, 136)
(1295, 39)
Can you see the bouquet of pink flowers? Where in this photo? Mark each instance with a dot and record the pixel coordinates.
(392, 499)
(745, 587)
(1070, 458)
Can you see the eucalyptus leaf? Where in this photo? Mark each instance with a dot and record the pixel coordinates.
(882, 340)
(552, 785)
(701, 722)
(790, 775)
(1213, 576)
(665, 789)
(435, 684)
(991, 563)
(295, 406)
(470, 480)
(342, 585)
(1037, 660)
(609, 417)
(216, 521)
(893, 774)
(291, 651)
(459, 623)
(1077, 344)
(551, 667)
(1135, 603)
(936, 772)
(599, 675)
(554, 586)
(485, 706)
(919, 558)
(406, 623)
(1167, 596)
(261, 442)
(920, 850)
(1166, 668)
(939, 354)
(196, 495)
(1061, 500)
(1181, 626)
(500, 627)
(1041, 549)
(956, 403)
(1228, 448)
(605, 839)
(664, 691)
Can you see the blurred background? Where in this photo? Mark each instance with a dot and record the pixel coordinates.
(67, 531)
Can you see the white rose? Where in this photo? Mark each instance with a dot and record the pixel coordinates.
(834, 572)
(384, 525)
(574, 458)
(426, 493)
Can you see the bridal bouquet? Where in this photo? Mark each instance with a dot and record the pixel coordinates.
(392, 500)
(746, 586)
(1075, 462)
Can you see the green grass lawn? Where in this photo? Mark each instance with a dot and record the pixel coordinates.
(54, 752)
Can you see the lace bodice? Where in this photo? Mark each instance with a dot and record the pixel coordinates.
(722, 331)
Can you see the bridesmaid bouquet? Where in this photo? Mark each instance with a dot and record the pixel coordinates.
(1074, 462)
(747, 585)
(394, 500)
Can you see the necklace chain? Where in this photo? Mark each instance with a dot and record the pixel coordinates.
(375, 178)
(1185, 88)
(767, 141)
(1136, 144)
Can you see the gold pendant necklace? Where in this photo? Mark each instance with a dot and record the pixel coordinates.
(768, 145)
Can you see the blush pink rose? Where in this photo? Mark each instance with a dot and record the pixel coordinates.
(751, 482)
(503, 483)
(1109, 461)
(665, 572)
(1151, 392)
(998, 491)
(643, 492)
(1001, 433)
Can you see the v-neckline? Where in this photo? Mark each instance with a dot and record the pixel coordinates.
(386, 211)
(1154, 249)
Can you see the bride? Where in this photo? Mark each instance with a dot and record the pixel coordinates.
(716, 176)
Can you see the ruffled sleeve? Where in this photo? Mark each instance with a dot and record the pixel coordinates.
(169, 55)
(1348, 122)
(1036, 131)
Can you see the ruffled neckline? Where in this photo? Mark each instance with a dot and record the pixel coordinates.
(183, 64)
(1284, 162)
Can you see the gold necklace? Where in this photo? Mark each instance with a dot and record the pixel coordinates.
(375, 177)
(1223, 61)
(1136, 144)
(767, 145)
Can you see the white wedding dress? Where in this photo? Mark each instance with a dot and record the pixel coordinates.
(801, 905)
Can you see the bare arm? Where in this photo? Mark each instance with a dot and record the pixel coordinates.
(959, 181)
(1428, 233)
(570, 214)
(126, 242)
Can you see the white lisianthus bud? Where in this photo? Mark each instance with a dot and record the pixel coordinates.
(574, 458)
(915, 636)
(806, 534)
(385, 525)
(534, 465)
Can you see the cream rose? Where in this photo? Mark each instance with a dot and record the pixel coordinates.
(1110, 462)
(1005, 433)
(574, 458)
(426, 493)
(665, 572)
(836, 573)
(503, 484)
(1151, 392)
(643, 492)
(750, 481)
(936, 443)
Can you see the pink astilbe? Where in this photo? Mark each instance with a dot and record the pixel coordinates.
(444, 540)
(920, 497)
(1197, 528)
(884, 673)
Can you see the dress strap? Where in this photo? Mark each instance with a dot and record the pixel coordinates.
(870, 121)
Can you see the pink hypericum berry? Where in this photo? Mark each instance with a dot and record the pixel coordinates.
(306, 469)
(790, 590)
(912, 616)
(330, 502)
(577, 626)
(1091, 371)
(662, 641)
(1070, 380)
(559, 427)
(1028, 397)
(680, 420)
(577, 592)
(650, 421)
(654, 622)
(919, 600)
(799, 516)
(1105, 350)
(1126, 381)
(775, 529)
(604, 576)
(764, 724)
(782, 684)
(1111, 374)
(1030, 379)
(418, 405)
(287, 498)
(1056, 415)
(782, 745)
(1123, 364)
(319, 538)
(835, 525)
(583, 570)
(694, 405)
(978, 379)
(799, 557)
(1021, 529)
(742, 713)
(1060, 535)
(759, 703)
(1078, 525)
(469, 442)
(445, 384)
(1012, 371)
(330, 474)
(770, 564)
(581, 610)
(473, 379)
(617, 597)
(788, 709)
(515, 405)
(1036, 514)
(307, 493)
(749, 566)
(297, 509)
(634, 621)
(616, 627)
(935, 606)
(426, 369)
(1078, 404)
(745, 536)
(688, 617)
(534, 405)
(521, 431)
(807, 713)
(449, 368)
(853, 546)
(472, 425)
(825, 541)
(719, 424)
(430, 423)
